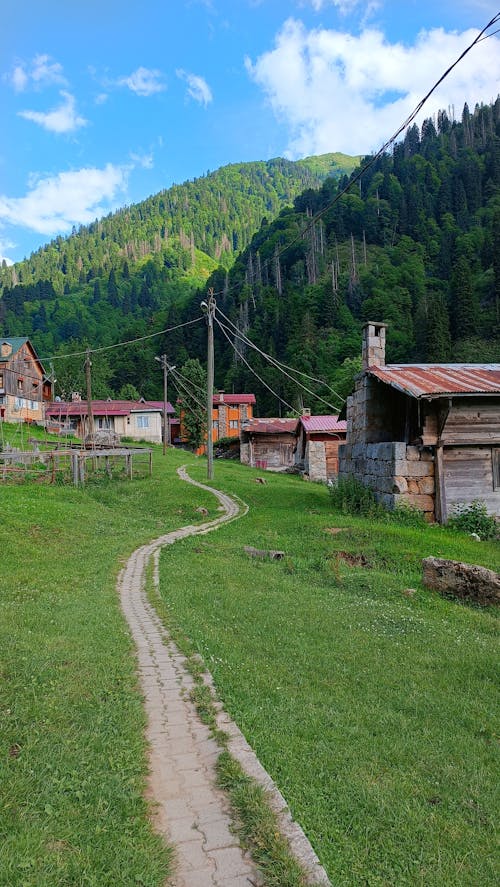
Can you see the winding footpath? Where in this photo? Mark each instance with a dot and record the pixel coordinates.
(189, 810)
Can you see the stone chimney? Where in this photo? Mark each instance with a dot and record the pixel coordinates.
(220, 395)
(306, 411)
(76, 397)
(373, 349)
(6, 349)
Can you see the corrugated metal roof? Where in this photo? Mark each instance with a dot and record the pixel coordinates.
(270, 426)
(442, 379)
(105, 408)
(233, 399)
(330, 424)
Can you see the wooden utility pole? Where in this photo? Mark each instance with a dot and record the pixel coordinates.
(88, 364)
(210, 309)
(166, 427)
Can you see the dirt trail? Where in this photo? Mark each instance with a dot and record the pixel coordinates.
(191, 812)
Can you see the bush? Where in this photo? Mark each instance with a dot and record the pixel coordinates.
(350, 495)
(474, 518)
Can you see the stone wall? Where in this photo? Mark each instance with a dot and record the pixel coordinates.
(316, 460)
(397, 473)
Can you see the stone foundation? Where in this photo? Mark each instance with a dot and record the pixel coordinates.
(397, 473)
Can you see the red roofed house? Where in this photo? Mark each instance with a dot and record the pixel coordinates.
(424, 434)
(318, 441)
(24, 386)
(229, 413)
(139, 420)
(268, 443)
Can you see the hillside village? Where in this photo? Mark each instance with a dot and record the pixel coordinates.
(250, 476)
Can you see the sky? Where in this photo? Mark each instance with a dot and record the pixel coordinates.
(104, 102)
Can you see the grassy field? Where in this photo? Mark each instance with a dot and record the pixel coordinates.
(372, 706)
(370, 700)
(72, 763)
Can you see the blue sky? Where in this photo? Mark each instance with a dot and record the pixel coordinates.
(106, 102)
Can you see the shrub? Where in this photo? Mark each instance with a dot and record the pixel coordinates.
(473, 518)
(350, 495)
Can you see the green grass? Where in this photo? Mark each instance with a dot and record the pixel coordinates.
(73, 759)
(369, 699)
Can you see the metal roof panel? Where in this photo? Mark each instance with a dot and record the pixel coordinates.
(440, 380)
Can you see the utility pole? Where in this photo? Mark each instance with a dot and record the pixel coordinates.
(88, 364)
(166, 428)
(209, 307)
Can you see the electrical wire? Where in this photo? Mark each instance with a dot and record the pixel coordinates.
(295, 381)
(282, 366)
(233, 346)
(180, 383)
(317, 216)
(118, 344)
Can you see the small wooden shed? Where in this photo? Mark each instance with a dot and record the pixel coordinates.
(317, 447)
(268, 443)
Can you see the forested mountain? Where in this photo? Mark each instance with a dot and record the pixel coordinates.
(415, 243)
(114, 276)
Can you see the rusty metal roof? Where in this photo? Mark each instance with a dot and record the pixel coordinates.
(440, 380)
(269, 426)
(327, 424)
(105, 408)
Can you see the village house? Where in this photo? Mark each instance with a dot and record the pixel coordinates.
(422, 434)
(138, 420)
(229, 412)
(268, 443)
(24, 386)
(317, 446)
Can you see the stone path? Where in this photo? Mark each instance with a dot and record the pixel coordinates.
(190, 811)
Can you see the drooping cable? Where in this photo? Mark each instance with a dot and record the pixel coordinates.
(262, 381)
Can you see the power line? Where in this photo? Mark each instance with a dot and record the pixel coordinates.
(117, 344)
(240, 355)
(295, 381)
(481, 36)
(282, 367)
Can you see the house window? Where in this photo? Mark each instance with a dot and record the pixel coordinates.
(215, 424)
(19, 384)
(1, 380)
(143, 421)
(19, 403)
(495, 459)
(233, 423)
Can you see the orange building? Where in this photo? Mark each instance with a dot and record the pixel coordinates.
(229, 412)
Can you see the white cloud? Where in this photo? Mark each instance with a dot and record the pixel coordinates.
(19, 78)
(61, 119)
(41, 71)
(102, 98)
(55, 203)
(144, 160)
(339, 92)
(198, 87)
(143, 81)
(6, 245)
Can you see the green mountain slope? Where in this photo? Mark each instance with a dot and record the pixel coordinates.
(416, 245)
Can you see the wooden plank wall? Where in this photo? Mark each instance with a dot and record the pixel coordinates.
(473, 421)
(468, 475)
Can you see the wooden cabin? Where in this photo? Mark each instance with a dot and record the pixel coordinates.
(317, 446)
(425, 434)
(268, 443)
(25, 388)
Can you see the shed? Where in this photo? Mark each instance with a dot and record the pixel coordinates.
(427, 434)
(317, 446)
(268, 443)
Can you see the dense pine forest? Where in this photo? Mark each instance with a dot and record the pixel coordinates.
(415, 242)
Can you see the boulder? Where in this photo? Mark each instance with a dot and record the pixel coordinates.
(466, 581)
